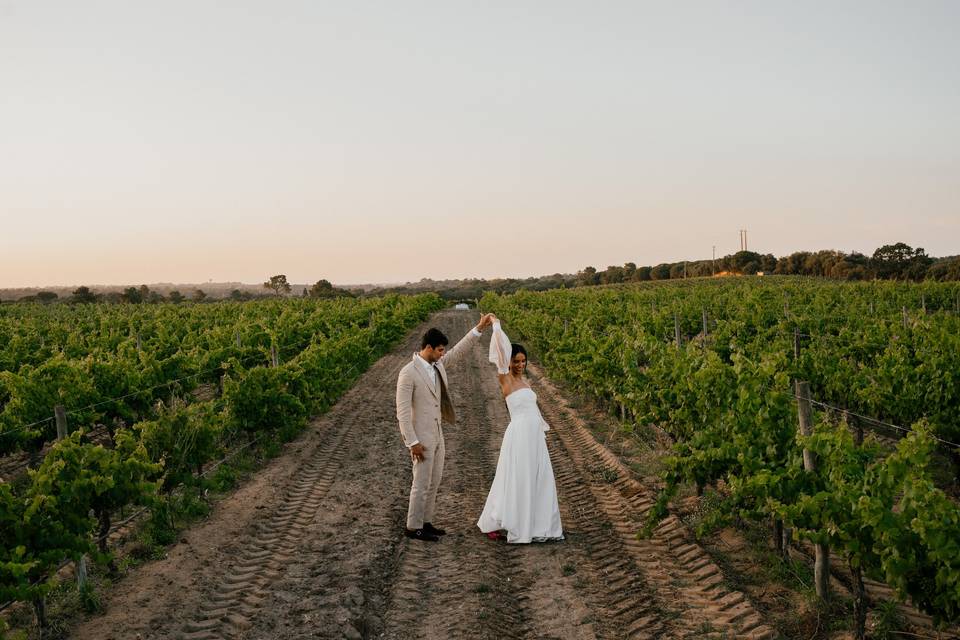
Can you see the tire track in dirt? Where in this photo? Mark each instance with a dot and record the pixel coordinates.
(622, 600)
(239, 592)
(332, 583)
(682, 581)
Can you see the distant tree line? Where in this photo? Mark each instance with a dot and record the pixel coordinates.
(278, 285)
(890, 262)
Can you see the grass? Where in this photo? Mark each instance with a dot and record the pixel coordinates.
(710, 513)
(888, 621)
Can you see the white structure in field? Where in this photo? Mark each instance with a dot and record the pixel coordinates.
(462, 306)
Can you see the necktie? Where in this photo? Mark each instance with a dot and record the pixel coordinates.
(446, 406)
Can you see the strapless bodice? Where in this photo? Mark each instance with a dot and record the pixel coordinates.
(521, 397)
(522, 404)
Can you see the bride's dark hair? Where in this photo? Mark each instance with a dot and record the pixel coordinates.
(516, 348)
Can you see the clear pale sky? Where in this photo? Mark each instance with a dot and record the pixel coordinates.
(388, 141)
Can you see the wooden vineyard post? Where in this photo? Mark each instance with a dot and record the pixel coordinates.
(704, 310)
(857, 430)
(905, 321)
(61, 415)
(821, 566)
(781, 538)
(274, 359)
(778, 535)
(81, 567)
(676, 328)
(796, 344)
(236, 335)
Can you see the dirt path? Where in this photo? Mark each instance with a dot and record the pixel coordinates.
(312, 547)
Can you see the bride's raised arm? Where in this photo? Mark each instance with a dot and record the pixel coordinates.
(500, 350)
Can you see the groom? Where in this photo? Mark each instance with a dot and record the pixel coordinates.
(423, 403)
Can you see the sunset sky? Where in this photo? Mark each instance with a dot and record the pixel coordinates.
(358, 141)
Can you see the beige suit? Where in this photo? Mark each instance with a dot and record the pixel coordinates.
(418, 411)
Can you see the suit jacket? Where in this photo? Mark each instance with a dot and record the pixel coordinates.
(418, 398)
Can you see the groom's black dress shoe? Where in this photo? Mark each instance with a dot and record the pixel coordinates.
(422, 534)
(429, 528)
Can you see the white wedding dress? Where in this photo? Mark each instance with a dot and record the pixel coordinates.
(523, 496)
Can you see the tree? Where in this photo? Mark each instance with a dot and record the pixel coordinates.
(84, 295)
(747, 262)
(323, 289)
(768, 263)
(660, 272)
(612, 275)
(132, 295)
(900, 261)
(46, 296)
(792, 265)
(945, 269)
(176, 297)
(199, 295)
(588, 277)
(278, 284)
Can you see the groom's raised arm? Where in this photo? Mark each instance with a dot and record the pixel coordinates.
(453, 356)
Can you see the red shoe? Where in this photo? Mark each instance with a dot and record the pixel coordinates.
(495, 535)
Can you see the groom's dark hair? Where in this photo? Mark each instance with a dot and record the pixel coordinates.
(434, 338)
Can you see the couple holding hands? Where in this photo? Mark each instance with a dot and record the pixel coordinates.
(522, 503)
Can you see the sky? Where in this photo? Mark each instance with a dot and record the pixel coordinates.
(376, 142)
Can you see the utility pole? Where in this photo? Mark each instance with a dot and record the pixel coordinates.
(714, 259)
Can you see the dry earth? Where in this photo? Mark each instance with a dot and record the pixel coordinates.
(311, 547)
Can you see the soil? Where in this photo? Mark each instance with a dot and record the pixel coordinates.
(312, 545)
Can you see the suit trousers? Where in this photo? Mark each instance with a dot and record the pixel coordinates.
(426, 481)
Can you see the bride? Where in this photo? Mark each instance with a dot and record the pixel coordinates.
(523, 497)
